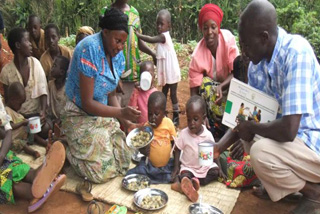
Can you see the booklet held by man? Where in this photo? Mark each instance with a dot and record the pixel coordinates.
(247, 103)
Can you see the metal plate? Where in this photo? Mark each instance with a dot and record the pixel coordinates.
(130, 180)
(134, 132)
(203, 209)
(141, 194)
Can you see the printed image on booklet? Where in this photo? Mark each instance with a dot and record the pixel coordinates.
(247, 103)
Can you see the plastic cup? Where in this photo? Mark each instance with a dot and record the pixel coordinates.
(206, 151)
(34, 125)
(145, 81)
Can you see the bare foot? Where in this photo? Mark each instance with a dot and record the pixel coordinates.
(36, 154)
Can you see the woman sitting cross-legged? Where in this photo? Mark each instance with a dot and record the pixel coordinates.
(96, 146)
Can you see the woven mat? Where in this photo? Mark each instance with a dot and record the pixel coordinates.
(215, 193)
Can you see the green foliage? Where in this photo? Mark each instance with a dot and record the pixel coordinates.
(68, 41)
(296, 19)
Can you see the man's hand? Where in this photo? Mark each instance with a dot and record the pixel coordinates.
(236, 150)
(244, 130)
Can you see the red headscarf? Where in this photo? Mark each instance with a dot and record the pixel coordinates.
(210, 11)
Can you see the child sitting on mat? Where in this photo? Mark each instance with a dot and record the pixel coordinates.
(19, 124)
(140, 96)
(157, 164)
(18, 180)
(187, 169)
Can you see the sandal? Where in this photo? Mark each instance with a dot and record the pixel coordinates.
(96, 207)
(51, 167)
(55, 186)
(188, 189)
(84, 189)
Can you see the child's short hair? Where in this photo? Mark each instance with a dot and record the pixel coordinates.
(33, 16)
(54, 26)
(15, 35)
(157, 98)
(199, 100)
(166, 14)
(16, 90)
(64, 65)
(145, 64)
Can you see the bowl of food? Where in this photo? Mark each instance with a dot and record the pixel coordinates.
(135, 182)
(140, 137)
(150, 199)
(197, 208)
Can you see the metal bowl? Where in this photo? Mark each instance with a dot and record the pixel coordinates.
(141, 194)
(135, 178)
(203, 209)
(135, 131)
(136, 156)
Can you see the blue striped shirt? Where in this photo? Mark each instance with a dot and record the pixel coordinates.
(293, 77)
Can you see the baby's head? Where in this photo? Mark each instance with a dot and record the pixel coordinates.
(60, 67)
(17, 96)
(196, 114)
(163, 21)
(147, 66)
(156, 108)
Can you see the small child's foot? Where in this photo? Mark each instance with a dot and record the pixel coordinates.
(195, 183)
(36, 154)
(176, 186)
(188, 189)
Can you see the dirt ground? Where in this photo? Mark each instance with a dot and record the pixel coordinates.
(70, 203)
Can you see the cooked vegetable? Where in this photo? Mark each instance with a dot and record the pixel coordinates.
(137, 185)
(152, 202)
(140, 139)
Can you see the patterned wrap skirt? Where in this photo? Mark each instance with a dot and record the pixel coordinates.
(96, 145)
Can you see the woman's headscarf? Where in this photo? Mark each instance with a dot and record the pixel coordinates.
(85, 30)
(210, 11)
(114, 19)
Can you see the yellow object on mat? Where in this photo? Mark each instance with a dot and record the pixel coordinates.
(215, 193)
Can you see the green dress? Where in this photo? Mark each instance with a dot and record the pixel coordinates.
(11, 170)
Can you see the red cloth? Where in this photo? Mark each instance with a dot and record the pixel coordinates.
(210, 11)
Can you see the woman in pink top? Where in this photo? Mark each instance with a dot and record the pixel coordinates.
(212, 61)
(187, 170)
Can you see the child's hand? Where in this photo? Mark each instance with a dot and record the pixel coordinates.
(145, 150)
(137, 85)
(25, 122)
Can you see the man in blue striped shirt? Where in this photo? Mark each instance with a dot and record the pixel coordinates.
(287, 159)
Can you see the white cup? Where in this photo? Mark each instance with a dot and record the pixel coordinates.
(206, 151)
(145, 81)
(34, 125)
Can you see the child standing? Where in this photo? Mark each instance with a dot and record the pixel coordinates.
(158, 165)
(17, 95)
(167, 61)
(139, 97)
(187, 170)
(56, 86)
